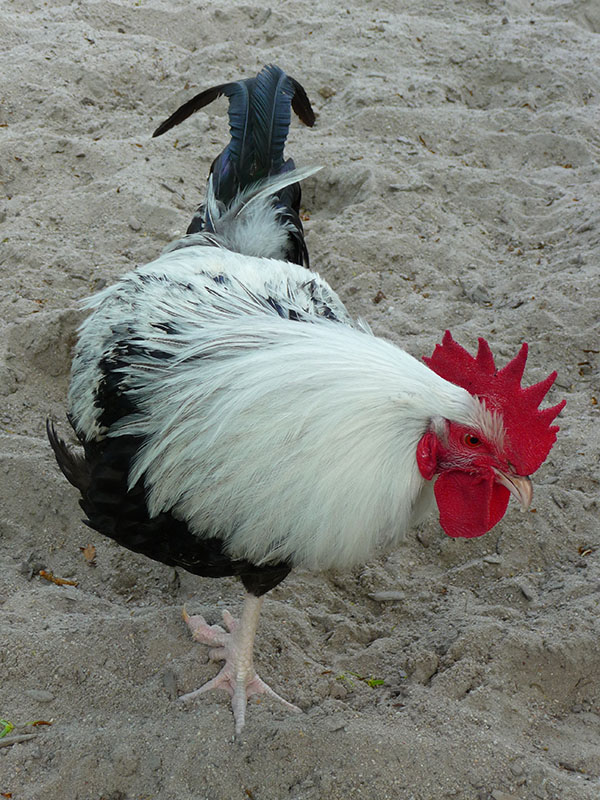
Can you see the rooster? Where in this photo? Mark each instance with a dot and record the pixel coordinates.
(235, 420)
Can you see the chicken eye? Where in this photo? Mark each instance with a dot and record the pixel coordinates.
(471, 440)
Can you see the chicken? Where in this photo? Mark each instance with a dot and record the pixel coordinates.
(235, 420)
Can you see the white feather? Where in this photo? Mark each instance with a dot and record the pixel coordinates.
(136, 299)
(250, 225)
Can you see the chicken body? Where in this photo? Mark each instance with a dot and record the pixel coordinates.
(235, 420)
(265, 417)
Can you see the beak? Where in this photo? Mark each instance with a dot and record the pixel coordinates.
(518, 485)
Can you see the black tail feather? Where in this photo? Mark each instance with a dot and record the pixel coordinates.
(200, 100)
(72, 465)
(259, 121)
(271, 101)
(300, 102)
(197, 102)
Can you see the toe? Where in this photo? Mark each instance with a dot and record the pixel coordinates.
(213, 635)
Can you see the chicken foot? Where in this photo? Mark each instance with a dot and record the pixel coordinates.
(234, 646)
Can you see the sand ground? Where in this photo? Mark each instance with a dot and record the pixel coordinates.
(461, 148)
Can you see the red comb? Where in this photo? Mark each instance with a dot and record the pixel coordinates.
(529, 434)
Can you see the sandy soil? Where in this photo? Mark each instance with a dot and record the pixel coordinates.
(461, 148)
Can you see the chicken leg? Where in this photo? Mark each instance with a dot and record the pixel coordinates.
(235, 647)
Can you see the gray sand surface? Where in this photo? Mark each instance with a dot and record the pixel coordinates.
(461, 146)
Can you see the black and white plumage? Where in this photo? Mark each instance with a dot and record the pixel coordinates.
(234, 419)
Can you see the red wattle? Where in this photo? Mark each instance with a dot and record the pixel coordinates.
(469, 505)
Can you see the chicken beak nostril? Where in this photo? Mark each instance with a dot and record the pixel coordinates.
(518, 485)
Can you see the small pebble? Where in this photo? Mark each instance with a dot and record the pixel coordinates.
(326, 92)
(334, 724)
(169, 682)
(39, 695)
(527, 589)
(386, 596)
(423, 538)
(492, 559)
